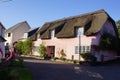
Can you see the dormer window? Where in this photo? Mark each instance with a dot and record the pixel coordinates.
(52, 33)
(79, 31)
(38, 36)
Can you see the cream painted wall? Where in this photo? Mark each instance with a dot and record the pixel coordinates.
(16, 34)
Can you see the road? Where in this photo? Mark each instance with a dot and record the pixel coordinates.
(51, 70)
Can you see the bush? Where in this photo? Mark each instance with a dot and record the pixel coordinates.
(17, 63)
(19, 47)
(63, 59)
(27, 46)
(15, 74)
(24, 47)
(88, 57)
(42, 50)
(15, 71)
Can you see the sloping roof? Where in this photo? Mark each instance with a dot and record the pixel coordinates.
(34, 36)
(16, 26)
(31, 33)
(92, 23)
(2, 39)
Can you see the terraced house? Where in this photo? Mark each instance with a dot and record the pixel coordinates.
(77, 34)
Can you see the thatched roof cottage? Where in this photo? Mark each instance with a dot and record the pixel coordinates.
(74, 35)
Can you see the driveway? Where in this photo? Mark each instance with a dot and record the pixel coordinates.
(51, 70)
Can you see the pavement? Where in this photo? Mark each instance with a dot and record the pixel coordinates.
(54, 70)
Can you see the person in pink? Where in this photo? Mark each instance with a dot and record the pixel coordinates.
(10, 56)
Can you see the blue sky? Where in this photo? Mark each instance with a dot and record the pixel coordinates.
(37, 12)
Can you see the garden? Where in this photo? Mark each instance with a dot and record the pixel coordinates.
(14, 70)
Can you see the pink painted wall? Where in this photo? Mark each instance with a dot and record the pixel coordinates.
(68, 44)
(108, 55)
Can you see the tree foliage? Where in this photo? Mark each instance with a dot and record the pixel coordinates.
(118, 24)
(24, 47)
(108, 42)
(19, 47)
(27, 46)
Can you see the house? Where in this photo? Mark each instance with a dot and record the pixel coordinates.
(15, 33)
(2, 40)
(73, 35)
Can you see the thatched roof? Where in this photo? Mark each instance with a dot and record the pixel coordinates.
(92, 23)
(31, 34)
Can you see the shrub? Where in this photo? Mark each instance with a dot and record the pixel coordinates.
(88, 56)
(63, 59)
(19, 47)
(108, 42)
(27, 46)
(24, 47)
(42, 50)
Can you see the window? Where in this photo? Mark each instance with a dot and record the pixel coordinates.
(79, 31)
(52, 49)
(38, 36)
(87, 48)
(82, 49)
(36, 48)
(9, 34)
(52, 33)
(76, 50)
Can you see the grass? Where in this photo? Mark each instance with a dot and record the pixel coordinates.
(15, 70)
(15, 74)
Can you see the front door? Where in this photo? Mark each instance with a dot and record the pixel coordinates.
(50, 51)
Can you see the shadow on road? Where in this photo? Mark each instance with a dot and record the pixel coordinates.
(51, 70)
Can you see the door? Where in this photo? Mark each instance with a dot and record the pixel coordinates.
(50, 51)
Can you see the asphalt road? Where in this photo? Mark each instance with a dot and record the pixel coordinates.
(51, 70)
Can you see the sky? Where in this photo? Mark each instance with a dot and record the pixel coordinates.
(38, 12)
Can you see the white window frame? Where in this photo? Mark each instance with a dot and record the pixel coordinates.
(82, 49)
(79, 31)
(52, 33)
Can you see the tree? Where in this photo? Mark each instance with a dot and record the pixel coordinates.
(19, 47)
(27, 46)
(118, 24)
(108, 42)
(24, 47)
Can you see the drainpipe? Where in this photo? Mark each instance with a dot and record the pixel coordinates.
(79, 46)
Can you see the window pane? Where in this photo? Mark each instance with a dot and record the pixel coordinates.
(87, 48)
(52, 33)
(76, 50)
(79, 31)
(83, 48)
(9, 34)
